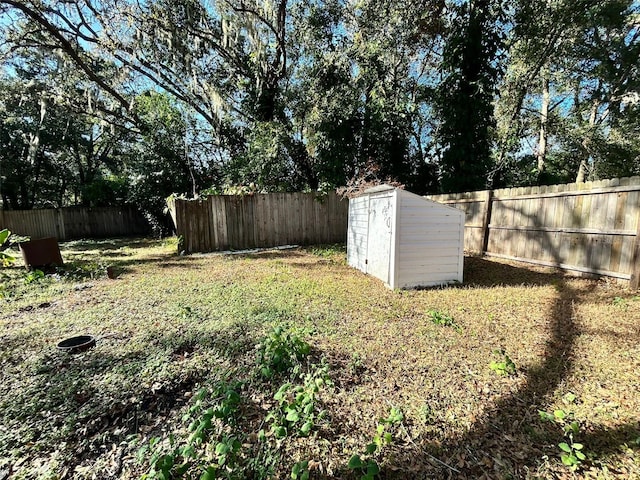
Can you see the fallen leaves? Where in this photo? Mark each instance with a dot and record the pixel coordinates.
(196, 319)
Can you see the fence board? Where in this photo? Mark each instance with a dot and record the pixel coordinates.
(72, 223)
(265, 220)
(591, 227)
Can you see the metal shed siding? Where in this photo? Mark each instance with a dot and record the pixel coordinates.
(429, 239)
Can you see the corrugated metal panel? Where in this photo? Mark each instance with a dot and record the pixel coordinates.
(419, 280)
(427, 217)
(427, 269)
(424, 261)
(419, 236)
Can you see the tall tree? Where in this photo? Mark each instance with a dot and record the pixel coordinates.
(471, 70)
(52, 153)
(569, 64)
(360, 90)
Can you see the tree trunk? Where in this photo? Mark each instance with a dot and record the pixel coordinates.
(586, 142)
(544, 119)
(582, 171)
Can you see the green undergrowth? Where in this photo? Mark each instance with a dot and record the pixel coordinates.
(290, 364)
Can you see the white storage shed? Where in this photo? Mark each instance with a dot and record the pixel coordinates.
(404, 239)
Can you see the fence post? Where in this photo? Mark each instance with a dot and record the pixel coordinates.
(486, 220)
(635, 258)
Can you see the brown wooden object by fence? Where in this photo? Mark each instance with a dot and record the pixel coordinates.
(41, 253)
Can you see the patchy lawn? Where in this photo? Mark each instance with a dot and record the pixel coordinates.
(275, 364)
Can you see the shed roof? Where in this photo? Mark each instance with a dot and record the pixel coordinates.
(379, 188)
(385, 187)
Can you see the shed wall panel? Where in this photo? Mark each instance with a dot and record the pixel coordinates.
(418, 280)
(357, 232)
(429, 241)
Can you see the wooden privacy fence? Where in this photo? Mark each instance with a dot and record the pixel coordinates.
(591, 227)
(225, 222)
(75, 222)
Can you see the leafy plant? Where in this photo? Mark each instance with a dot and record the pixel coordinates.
(623, 303)
(619, 302)
(571, 452)
(367, 466)
(572, 455)
(383, 436)
(180, 459)
(33, 276)
(280, 351)
(6, 260)
(166, 466)
(504, 366)
(227, 403)
(226, 451)
(300, 470)
(295, 412)
(444, 319)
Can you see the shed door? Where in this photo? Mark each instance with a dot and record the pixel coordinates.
(379, 243)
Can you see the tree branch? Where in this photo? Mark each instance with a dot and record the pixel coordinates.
(69, 49)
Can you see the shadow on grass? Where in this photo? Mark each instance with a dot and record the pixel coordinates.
(109, 244)
(510, 440)
(70, 404)
(480, 272)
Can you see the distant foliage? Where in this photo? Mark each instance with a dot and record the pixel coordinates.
(109, 103)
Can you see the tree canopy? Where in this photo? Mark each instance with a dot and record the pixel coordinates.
(107, 102)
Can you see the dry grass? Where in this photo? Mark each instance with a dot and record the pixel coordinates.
(170, 325)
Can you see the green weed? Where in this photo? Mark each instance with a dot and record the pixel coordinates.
(504, 366)
(295, 412)
(6, 259)
(571, 452)
(179, 459)
(366, 465)
(300, 470)
(368, 468)
(33, 276)
(280, 351)
(444, 319)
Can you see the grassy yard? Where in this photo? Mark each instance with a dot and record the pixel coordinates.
(287, 363)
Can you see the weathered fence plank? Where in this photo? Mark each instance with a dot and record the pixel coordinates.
(635, 257)
(264, 220)
(71, 223)
(591, 227)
